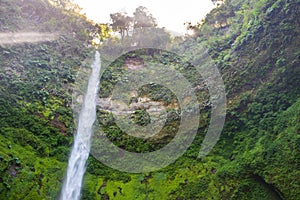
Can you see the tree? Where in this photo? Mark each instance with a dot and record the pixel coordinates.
(99, 33)
(121, 23)
(103, 31)
(142, 18)
(143, 26)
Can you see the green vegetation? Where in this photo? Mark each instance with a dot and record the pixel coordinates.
(256, 46)
(36, 80)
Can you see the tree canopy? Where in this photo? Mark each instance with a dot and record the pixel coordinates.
(142, 18)
(120, 23)
(140, 29)
(124, 24)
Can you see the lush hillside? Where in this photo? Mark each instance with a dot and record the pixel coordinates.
(35, 94)
(256, 46)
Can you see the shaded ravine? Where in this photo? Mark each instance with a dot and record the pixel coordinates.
(81, 148)
(276, 194)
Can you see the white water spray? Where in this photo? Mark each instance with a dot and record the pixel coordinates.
(81, 149)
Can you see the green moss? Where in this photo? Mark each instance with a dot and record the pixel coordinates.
(256, 49)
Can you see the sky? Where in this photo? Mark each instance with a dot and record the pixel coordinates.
(169, 14)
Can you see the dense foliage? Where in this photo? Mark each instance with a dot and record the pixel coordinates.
(35, 97)
(256, 46)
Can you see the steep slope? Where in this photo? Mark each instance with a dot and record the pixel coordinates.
(35, 95)
(254, 44)
(256, 47)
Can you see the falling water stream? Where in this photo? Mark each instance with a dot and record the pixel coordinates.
(81, 148)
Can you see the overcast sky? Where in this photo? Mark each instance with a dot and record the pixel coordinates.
(169, 14)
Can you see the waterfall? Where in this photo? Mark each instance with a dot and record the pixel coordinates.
(81, 148)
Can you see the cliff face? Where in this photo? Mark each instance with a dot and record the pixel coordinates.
(41, 49)
(255, 45)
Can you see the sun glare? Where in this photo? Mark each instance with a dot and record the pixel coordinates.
(190, 32)
(169, 14)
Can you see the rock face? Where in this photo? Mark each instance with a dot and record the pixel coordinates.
(134, 63)
(108, 105)
(130, 119)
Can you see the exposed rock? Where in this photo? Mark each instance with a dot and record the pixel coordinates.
(134, 63)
